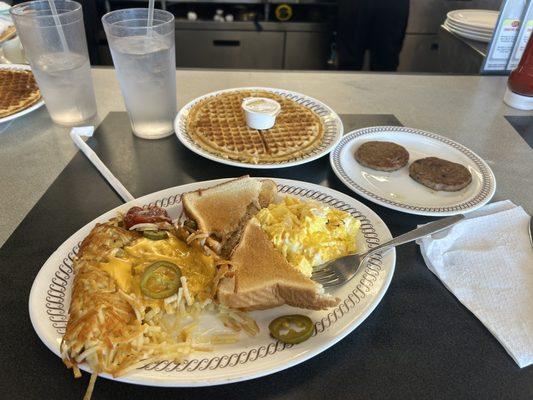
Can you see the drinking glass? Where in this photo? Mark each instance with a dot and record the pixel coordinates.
(56, 48)
(145, 63)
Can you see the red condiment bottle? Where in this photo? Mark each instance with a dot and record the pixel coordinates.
(519, 93)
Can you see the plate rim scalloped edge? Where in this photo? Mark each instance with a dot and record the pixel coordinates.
(389, 262)
(188, 142)
(335, 163)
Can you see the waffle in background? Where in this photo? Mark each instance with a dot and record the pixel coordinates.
(8, 33)
(18, 91)
(218, 125)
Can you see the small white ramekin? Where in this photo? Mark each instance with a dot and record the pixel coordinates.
(257, 119)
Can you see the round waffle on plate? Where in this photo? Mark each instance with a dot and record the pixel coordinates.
(18, 90)
(214, 126)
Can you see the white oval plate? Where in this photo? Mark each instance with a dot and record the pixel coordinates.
(333, 129)
(397, 190)
(475, 18)
(26, 110)
(250, 357)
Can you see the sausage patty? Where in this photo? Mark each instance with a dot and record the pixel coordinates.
(383, 156)
(439, 174)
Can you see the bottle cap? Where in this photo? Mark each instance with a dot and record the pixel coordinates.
(517, 101)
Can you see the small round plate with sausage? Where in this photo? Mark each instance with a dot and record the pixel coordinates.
(413, 171)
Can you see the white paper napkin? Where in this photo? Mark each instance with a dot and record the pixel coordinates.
(486, 261)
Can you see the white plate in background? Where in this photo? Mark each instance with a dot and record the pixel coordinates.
(469, 29)
(397, 190)
(333, 130)
(474, 18)
(28, 109)
(472, 36)
(468, 34)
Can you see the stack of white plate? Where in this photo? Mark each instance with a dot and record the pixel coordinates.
(472, 24)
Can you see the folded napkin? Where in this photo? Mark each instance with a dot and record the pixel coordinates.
(486, 261)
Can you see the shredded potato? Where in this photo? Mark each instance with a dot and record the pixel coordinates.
(115, 329)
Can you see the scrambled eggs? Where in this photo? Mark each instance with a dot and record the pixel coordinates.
(308, 233)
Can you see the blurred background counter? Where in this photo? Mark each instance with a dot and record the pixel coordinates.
(289, 34)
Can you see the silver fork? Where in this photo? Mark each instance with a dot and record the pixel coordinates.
(343, 269)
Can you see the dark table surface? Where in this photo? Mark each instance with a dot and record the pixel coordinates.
(419, 343)
(524, 126)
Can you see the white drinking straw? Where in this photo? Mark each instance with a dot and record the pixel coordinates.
(151, 6)
(60, 32)
(76, 135)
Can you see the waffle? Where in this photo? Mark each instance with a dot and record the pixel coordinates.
(18, 91)
(218, 125)
(8, 33)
